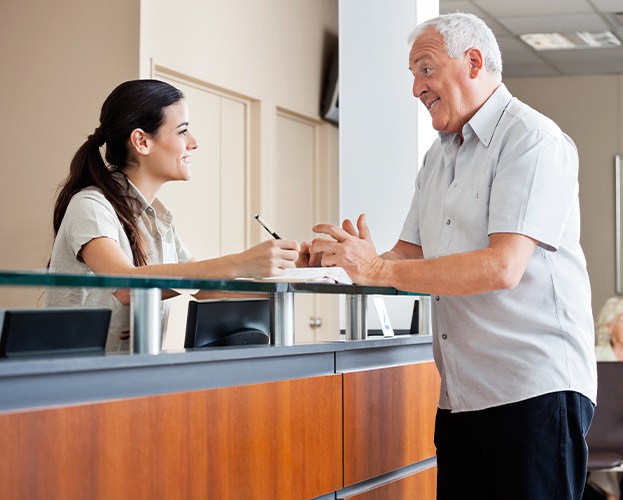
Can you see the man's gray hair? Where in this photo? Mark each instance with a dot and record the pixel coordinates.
(462, 31)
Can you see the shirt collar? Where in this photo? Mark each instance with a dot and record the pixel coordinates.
(160, 209)
(486, 119)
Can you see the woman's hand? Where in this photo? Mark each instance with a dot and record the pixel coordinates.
(123, 295)
(307, 257)
(270, 258)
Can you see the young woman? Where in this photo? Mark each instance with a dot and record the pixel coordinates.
(108, 219)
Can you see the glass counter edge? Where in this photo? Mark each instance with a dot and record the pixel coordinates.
(44, 278)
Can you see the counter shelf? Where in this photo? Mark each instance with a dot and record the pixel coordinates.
(146, 295)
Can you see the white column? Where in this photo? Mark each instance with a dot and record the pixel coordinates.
(383, 133)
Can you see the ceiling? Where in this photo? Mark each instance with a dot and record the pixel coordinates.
(510, 18)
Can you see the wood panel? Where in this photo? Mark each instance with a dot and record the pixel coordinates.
(389, 419)
(279, 440)
(419, 486)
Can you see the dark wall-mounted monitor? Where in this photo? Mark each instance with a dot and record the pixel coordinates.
(212, 323)
(53, 331)
(330, 105)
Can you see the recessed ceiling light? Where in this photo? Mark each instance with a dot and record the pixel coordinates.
(603, 39)
(566, 41)
(547, 41)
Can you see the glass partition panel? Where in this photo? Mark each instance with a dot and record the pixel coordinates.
(46, 279)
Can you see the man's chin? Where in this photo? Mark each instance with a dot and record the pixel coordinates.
(440, 127)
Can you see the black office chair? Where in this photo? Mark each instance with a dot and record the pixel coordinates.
(213, 323)
(605, 436)
(53, 331)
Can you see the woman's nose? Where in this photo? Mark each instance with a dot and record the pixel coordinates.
(192, 143)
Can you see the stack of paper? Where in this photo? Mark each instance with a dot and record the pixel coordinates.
(313, 275)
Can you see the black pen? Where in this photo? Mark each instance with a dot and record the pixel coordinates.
(267, 227)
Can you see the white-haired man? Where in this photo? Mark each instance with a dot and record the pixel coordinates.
(493, 236)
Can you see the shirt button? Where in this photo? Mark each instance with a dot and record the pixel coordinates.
(448, 221)
(444, 336)
(437, 298)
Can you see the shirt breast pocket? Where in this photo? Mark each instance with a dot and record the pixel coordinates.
(169, 253)
(473, 218)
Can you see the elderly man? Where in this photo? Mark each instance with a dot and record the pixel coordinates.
(493, 236)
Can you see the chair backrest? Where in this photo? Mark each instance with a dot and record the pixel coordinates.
(606, 431)
(212, 323)
(53, 331)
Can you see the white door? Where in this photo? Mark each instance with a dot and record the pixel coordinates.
(299, 188)
(211, 210)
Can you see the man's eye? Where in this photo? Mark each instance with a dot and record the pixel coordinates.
(426, 70)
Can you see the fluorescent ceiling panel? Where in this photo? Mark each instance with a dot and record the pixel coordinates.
(555, 24)
(513, 8)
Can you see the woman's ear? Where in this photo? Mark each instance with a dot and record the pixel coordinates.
(139, 141)
(476, 61)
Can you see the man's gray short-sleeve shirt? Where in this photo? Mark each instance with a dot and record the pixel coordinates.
(515, 172)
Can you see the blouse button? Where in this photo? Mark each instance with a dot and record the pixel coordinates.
(448, 221)
(444, 336)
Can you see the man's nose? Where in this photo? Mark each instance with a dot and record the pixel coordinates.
(418, 88)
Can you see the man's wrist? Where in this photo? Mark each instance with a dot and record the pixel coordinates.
(380, 272)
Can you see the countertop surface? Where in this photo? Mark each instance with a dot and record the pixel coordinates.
(70, 363)
(60, 381)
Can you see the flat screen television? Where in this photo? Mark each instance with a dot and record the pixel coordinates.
(212, 323)
(53, 331)
(330, 103)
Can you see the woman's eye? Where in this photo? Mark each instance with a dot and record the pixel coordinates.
(183, 132)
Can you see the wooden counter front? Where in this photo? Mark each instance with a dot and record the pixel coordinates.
(298, 423)
(389, 419)
(278, 440)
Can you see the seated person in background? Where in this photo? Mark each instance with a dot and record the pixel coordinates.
(108, 219)
(609, 333)
(609, 347)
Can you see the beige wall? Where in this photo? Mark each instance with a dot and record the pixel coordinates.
(58, 61)
(270, 50)
(589, 109)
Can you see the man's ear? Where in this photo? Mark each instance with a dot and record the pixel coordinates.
(140, 141)
(476, 61)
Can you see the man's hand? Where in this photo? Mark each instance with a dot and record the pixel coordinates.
(349, 248)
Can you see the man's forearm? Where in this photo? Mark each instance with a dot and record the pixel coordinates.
(497, 267)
